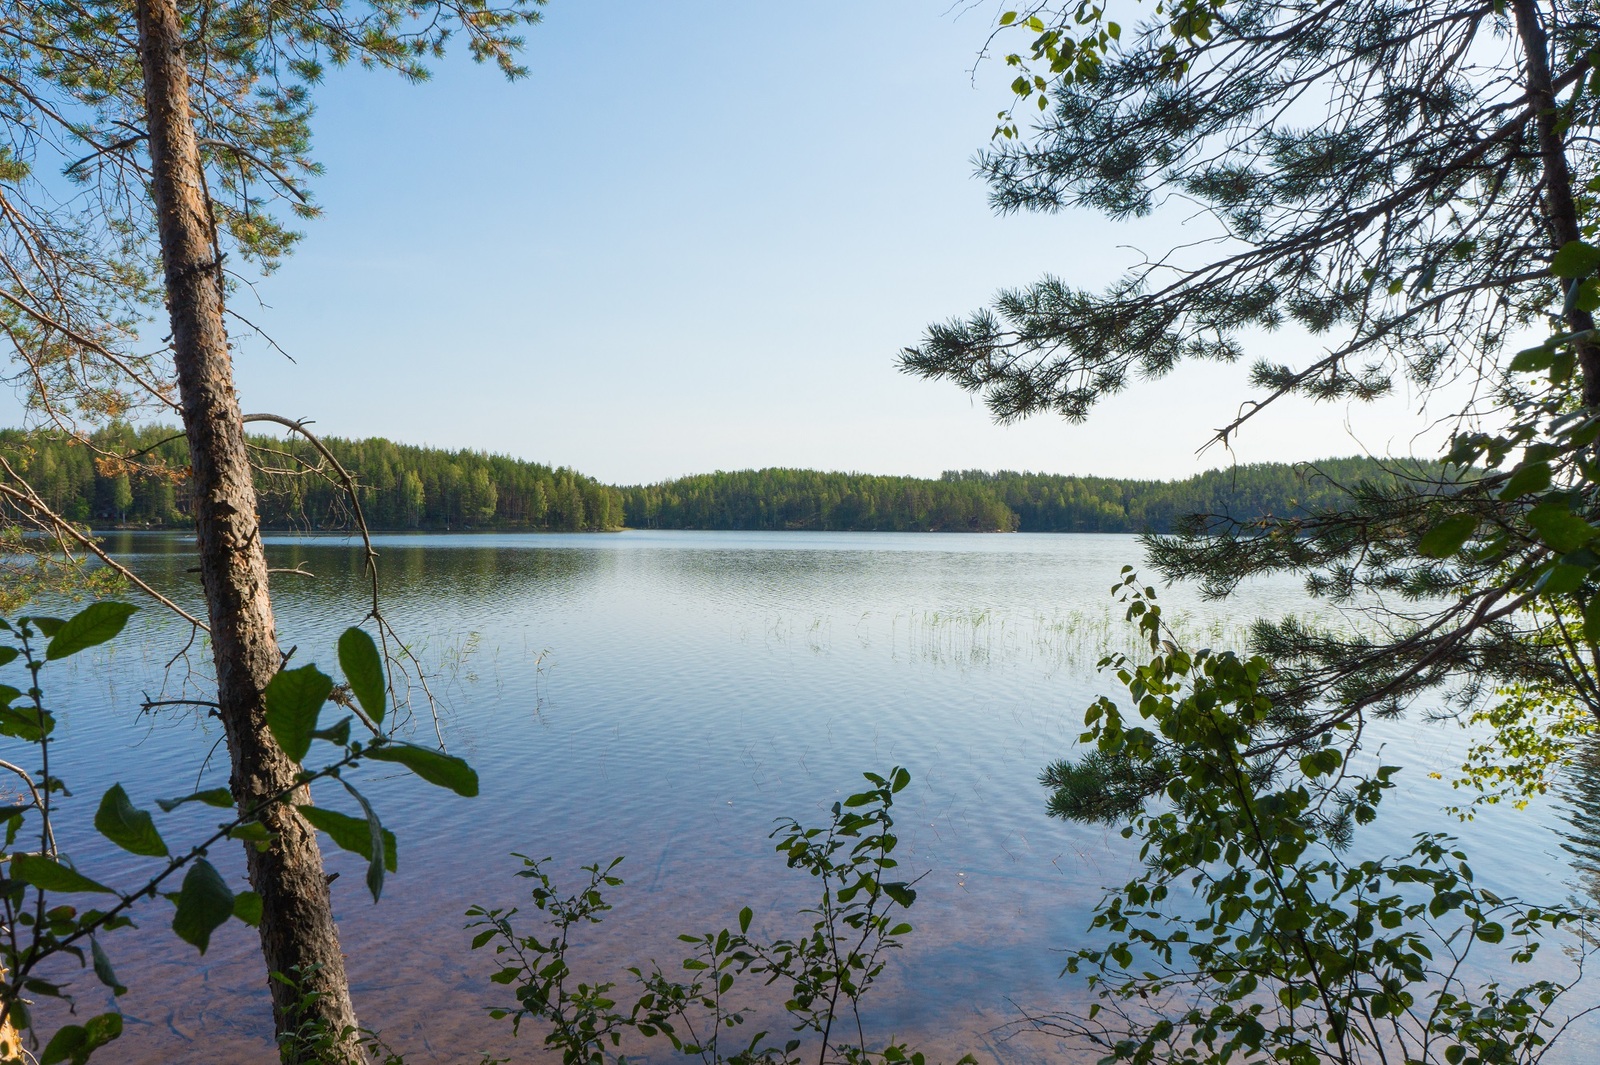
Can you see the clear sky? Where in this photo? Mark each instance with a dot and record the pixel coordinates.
(694, 239)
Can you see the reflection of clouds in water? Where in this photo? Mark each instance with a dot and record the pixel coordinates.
(706, 685)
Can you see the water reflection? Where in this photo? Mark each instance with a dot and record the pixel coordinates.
(666, 697)
(1580, 791)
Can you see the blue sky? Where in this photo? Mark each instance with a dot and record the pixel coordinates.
(694, 239)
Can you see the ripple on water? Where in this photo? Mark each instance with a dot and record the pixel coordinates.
(667, 696)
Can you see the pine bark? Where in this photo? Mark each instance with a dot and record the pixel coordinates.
(298, 936)
(1560, 207)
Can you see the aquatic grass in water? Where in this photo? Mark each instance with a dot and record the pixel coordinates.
(695, 687)
(987, 637)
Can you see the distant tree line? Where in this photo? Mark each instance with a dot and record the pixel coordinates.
(807, 499)
(977, 501)
(1046, 502)
(138, 476)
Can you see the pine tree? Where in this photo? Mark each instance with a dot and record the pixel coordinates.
(186, 126)
(1398, 181)
(121, 496)
(412, 499)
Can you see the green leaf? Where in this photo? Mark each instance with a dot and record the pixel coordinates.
(1446, 537)
(253, 832)
(102, 967)
(1561, 367)
(204, 903)
(380, 843)
(1560, 579)
(1532, 360)
(247, 907)
(1588, 297)
(130, 828)
(66, 1045)
(745, 916)
(74, 1043)
(50, 875)
(294, 699)
(93, 625)
(221, 798)
(1575, 259)
(28, 723)
(339, 734)
(103, 1029)
(354, 834)
(1534, 477)
(48, 626)
(436, 767)
(363, 668)
(901, 893)
(1559, 527)
(8, 655)
(1591, 620)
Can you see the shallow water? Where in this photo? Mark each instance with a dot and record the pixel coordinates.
(667, 696)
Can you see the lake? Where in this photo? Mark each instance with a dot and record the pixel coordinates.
(667, 696)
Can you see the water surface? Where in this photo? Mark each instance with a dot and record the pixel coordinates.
(667, 696)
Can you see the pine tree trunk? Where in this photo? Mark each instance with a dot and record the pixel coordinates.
(1560, 207)
(298, 936)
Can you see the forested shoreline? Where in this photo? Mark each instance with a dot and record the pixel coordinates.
(137, 477)
(978, 501)
(402, 486)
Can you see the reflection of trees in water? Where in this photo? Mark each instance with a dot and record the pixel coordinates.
(405, 569)
(1580, 788)
(484, 571)
(455, 606)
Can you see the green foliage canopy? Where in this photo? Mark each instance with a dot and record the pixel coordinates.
(402, 486)
(1398, 224)
(407, 487)
(1408, 186)
(78, 254)
(41, 928)
(976, 501)
(1261, 925)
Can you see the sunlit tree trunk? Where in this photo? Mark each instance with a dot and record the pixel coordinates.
(298, 936)
(1560, 205)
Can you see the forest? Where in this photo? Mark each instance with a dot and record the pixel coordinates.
(1317, 204)
(402, 486)
(976, 501)
(136, 477)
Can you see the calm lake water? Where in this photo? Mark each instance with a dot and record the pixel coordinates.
(667, 696)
